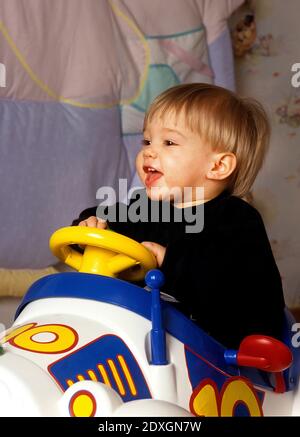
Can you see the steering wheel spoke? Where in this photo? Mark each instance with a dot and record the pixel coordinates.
(121, 262)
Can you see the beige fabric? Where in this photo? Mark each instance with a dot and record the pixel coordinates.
(16, 282)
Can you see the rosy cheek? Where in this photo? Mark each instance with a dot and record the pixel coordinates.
(139, 163)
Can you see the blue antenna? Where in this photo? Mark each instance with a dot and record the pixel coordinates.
(154, 280)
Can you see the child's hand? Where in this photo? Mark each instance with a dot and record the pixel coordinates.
(94, 222)
(157, 250)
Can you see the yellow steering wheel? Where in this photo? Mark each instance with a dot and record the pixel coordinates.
(106, 252)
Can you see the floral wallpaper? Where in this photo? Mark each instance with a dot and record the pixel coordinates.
(266, 42)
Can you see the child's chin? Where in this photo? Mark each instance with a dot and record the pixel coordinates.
(158, 193)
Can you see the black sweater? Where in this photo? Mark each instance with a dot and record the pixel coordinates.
(225, 277)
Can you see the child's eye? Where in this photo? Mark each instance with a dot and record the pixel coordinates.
(146, 142)
(169, 143)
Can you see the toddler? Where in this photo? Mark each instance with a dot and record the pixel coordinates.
(223, 276)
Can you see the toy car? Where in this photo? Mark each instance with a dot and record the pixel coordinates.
(90, 343)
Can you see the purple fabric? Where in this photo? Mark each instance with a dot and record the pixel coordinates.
(54, 157)
(221, 60)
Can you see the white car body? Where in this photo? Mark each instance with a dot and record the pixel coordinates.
(71, 356)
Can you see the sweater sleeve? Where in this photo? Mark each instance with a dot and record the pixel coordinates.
(227, 278)
(253, 283)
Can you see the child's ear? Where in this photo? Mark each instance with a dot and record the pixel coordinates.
(223, 165)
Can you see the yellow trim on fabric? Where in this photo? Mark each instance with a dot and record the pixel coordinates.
(24, 64)
(144, 42)
(71, 102)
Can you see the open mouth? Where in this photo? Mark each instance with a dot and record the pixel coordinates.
(152, 175)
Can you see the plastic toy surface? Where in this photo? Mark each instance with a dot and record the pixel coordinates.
(90, 344)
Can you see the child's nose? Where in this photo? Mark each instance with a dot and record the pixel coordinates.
(149, 152)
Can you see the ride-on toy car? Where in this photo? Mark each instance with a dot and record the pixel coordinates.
(90, 343)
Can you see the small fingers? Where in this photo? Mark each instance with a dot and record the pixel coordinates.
(93, 222)
(151, 247)
(147, 244)
(101, 224)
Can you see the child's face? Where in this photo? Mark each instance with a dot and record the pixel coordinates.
(178, 156)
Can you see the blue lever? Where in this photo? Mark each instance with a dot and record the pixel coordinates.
(154, 280)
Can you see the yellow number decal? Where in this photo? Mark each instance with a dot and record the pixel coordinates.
(239, 391)
(43, 339)
(16, 331)
(207, 401)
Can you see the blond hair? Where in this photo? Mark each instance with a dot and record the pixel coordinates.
(226, 121)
